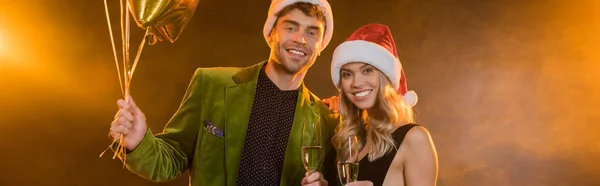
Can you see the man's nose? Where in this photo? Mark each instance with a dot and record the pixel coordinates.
(298, 37)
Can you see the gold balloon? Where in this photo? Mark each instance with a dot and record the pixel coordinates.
(165, 19)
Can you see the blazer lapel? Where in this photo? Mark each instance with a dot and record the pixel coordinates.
(292, 164)
(238, 104)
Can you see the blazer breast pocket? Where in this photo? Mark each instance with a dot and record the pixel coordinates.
(212, 129)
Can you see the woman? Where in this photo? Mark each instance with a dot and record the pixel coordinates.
(377, 108)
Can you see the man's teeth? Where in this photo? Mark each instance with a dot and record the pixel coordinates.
(363, 93)
(297, 52)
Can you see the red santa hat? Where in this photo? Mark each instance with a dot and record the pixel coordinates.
(373, 44)
(277, 5)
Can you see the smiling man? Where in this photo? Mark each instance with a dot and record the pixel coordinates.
(242, 126)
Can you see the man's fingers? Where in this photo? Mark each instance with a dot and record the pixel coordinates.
(136, 110)
(125, 122)
(114, 135)
(117, 114)
(120, 126)
(304, 181)
(122, 121)
(116, 131)
(115, 122)
(124, 105)
(127, 115)
(312, 177)
(124, 113)
(315, 176)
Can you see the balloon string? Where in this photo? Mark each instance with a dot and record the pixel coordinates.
(125, 32)
(112, 41)
(111, 144)
(139, 52)
(123, 45)
(126, 67)
(127, 58)
(125, 42)
(121, 150)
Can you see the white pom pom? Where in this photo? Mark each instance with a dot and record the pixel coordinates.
(410, 98)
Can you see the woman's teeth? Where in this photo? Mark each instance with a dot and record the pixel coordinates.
(363, 93)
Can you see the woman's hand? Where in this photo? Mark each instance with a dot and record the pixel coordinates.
(360, 183)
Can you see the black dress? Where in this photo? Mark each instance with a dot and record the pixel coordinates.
(375, 171)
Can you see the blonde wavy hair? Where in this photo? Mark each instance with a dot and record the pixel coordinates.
(394, 111)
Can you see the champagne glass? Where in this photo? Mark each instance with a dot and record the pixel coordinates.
(311, 145)
(347, 165)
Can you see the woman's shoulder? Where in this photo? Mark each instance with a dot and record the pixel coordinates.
(413, 134)
(417, 135)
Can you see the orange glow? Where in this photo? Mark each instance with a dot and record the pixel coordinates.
(2, 41)
(13, 31)
(37, 54)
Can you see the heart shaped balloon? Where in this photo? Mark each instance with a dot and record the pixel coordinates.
(165, 19)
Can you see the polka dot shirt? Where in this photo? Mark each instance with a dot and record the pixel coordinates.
(271, 120)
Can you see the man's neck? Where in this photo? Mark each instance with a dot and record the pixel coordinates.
(283, 79)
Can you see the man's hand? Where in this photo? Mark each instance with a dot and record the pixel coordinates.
(314, 179)
(333, 103)
(130, 122)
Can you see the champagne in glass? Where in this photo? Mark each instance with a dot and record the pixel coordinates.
(311, 145)
(348, 162)
(310, 157)
(347, 171)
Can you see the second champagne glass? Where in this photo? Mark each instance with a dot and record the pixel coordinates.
(347, 165)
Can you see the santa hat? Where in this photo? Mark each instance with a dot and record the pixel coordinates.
(277, 5)
(373, 44)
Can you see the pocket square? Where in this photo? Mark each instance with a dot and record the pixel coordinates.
(212, 129)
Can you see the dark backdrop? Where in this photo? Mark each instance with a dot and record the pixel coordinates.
(509, 89)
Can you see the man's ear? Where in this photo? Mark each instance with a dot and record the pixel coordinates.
(270, 36)
(269, 40)
(320, 50)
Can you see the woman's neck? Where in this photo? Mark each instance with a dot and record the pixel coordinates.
(374, 116)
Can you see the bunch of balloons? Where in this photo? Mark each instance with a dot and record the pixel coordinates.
(163, 20)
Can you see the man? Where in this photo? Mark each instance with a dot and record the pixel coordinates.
(242, 126)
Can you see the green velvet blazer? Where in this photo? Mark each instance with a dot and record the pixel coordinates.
(223, 97)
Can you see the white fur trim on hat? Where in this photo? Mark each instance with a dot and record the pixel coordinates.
(277, 5)
(366, 52)
(410, 98)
